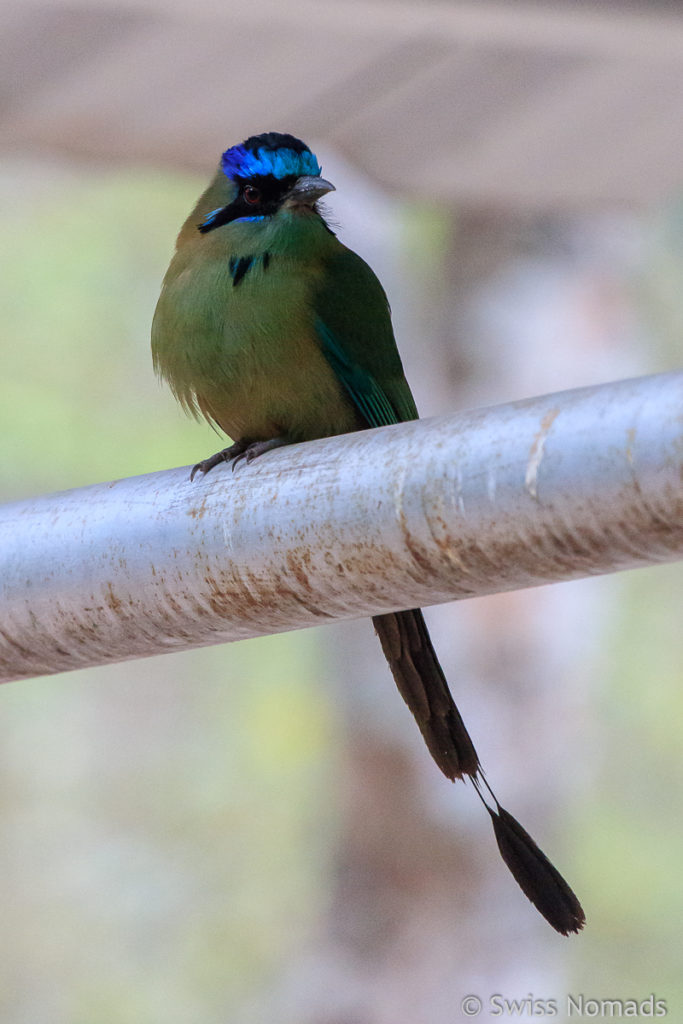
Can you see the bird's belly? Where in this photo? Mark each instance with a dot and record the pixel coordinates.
(282, 390)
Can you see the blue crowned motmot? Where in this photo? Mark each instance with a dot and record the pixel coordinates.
(268, 326)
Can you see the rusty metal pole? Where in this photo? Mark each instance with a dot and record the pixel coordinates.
(553, 488)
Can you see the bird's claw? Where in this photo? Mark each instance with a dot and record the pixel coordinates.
(225, 455)
(247, 450)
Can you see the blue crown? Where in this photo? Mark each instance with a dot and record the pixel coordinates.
(283, 156)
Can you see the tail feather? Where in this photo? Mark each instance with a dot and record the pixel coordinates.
(539, 880)
(423, 686)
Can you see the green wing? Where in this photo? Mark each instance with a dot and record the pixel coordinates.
(353, 324)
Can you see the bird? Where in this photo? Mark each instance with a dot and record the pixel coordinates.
(274, 331)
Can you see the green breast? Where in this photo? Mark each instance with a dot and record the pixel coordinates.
(233, 332)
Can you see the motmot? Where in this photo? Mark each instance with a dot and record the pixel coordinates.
(275, 332)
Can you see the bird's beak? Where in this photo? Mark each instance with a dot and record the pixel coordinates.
(307, 189)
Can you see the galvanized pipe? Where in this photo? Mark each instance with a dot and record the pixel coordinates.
(553, 488)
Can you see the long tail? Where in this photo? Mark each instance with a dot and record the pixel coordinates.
(423, 686)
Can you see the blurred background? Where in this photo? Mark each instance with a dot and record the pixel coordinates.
(256, 832)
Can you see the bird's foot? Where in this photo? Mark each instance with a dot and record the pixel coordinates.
(225, 455)
(256, 448)
(248, 450)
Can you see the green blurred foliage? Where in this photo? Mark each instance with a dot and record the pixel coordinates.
(659, 286)
(631, 843)
(166, 832)
(80, 273)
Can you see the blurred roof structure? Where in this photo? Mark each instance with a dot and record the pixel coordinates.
(531, 104)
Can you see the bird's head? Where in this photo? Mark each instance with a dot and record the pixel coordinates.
(268, 173)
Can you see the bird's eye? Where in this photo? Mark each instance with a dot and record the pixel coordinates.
(251, 195)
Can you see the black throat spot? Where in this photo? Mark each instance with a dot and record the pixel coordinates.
(239, 266)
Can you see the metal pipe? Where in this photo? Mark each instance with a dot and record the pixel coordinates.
(553, 488)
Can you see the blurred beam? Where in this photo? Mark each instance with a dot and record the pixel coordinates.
(552, 488)
(535, 106)
(644, 28)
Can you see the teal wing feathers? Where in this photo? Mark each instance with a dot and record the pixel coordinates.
(353, 324)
